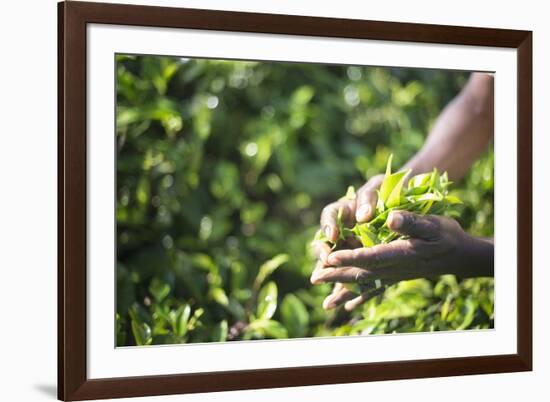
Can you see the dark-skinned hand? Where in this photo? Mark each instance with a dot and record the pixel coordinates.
(435, 246)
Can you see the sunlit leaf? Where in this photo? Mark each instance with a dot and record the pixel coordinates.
(452, 199)
(220, 332)
(219, 296)
(268, 267)
(181, 320)
(267, 301)
(142, 333)
(367, 235)
(390, 191)
(397, 179)
(294, 316)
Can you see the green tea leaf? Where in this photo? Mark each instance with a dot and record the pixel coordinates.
(367, 235)
(350, 194)
(417, 190)
(218, 294)
(388, 165)
(342, 229)
(267, 301)
(180, 320)
(420, 180)
(390, 191)
(294, 316)
(452, 199)
(142, 333)
(268, 267)
(434, 179)
(426, 197)
(159, 289)
(320, 236)
(380, 219)
(394, 199)
(194, 321)
(426, 208)
(220, 332)
(470, 306)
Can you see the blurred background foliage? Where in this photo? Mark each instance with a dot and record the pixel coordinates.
(223, 168)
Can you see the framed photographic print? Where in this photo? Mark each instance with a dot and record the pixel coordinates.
(253, 200)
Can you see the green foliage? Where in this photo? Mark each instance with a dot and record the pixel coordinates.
(222, 170)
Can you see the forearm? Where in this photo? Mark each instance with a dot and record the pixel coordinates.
(462, 131)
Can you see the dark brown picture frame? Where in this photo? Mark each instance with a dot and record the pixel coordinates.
(73, 383)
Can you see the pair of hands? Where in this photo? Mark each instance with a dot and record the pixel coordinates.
(435, 246)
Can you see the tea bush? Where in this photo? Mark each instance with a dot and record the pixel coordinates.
(223, 168)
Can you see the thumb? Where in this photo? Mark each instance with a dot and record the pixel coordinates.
(413, 225)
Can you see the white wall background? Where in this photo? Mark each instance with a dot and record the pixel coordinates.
(28, 198)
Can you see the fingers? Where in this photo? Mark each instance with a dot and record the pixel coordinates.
(374, 258)
(362, 298)
(361, 209)
(367, 197)
(317, 273)
(338, 296)
(413, 225)
(329, 217)
(349, 299)
(356, 302)
(342, 274)
(321, 250)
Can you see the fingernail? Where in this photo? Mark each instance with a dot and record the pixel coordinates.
(395, 220)
(316, 278)
(328, 303)
(363, 212)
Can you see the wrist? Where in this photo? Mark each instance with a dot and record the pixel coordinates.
(479, 258)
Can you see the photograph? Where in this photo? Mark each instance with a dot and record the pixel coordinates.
(264, 200)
